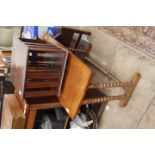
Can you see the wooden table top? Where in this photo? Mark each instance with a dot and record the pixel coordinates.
(4, 54)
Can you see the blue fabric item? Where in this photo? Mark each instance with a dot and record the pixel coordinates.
(53, 30)
(30, 32)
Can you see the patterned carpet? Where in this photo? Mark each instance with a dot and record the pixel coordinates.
(140, 37)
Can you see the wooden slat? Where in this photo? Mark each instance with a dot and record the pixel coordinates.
(45, 106)
(32, 40)
(42, 84)
(43, 67)
(39, 44)
(41, 58)
(47, 54)
(40, 93)
(44, 70)
(76, 30)
(42, 100)
(45, 49)
(42, 75)
(44, 63)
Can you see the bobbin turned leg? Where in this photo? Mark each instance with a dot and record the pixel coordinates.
(129, 91)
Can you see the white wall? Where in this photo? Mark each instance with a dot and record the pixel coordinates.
(6, 35)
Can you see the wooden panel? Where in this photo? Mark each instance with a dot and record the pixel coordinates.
(13, 114)
(75, 85)
(18, 65)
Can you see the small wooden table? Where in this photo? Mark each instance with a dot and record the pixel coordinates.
(31, 106)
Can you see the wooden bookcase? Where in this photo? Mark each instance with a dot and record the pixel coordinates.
(37, 68)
